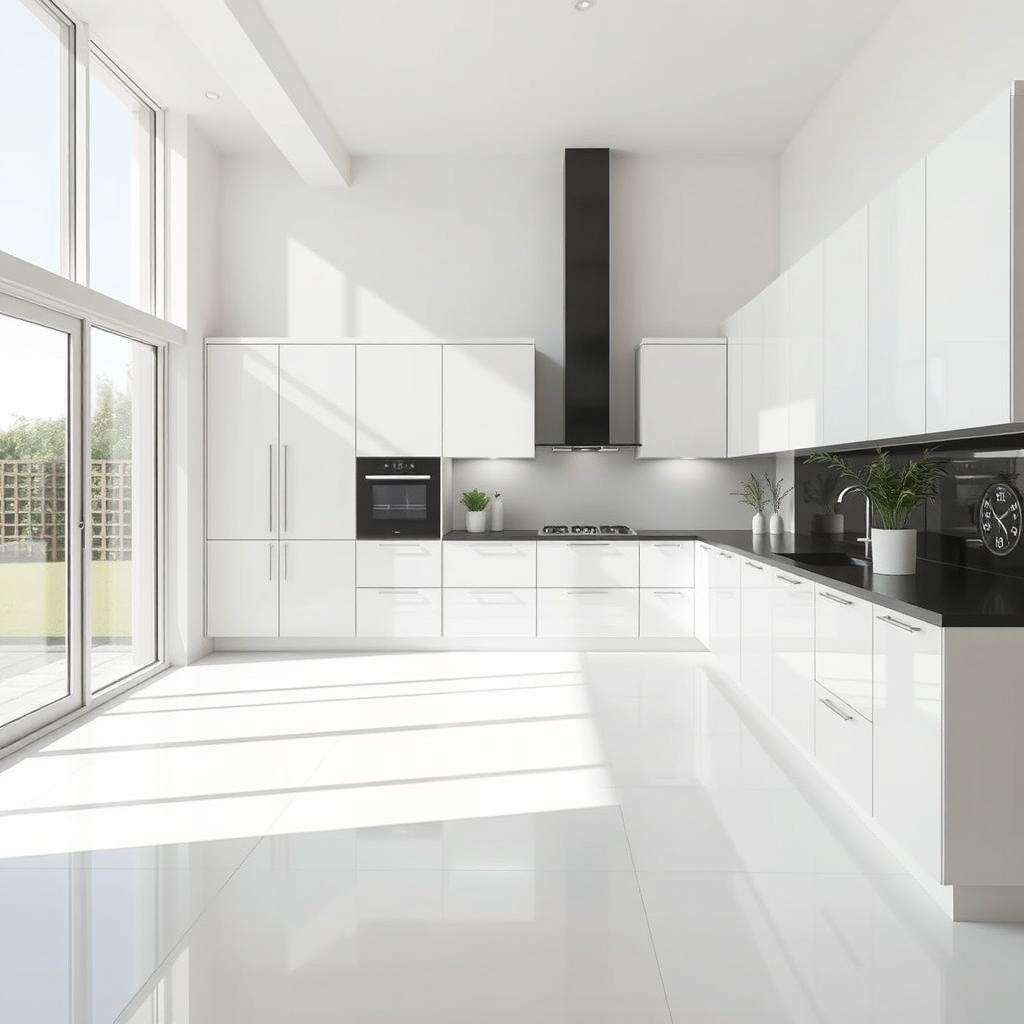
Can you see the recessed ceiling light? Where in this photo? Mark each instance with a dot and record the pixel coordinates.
(583, 5)
(212, 94)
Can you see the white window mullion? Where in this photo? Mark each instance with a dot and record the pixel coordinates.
(80, 156)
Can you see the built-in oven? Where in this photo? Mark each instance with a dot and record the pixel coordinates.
(398, 498)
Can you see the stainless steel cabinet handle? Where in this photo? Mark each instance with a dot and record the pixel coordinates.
(668, 593)
(387, 476)
(270, 561)
(284, 489)
(589, 544)
(832, 597)
(576, 593)
(284, 554)
(754, 565)
(838, 710)
(270, 488)
(786, 579)
(397, 590)
(722, 554)
(659, 544)
(906, 627)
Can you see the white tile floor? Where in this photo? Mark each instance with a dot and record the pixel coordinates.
(459, 838)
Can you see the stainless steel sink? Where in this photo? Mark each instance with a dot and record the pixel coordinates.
(828, 559)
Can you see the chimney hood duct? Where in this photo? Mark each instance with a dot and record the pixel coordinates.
(587, 306)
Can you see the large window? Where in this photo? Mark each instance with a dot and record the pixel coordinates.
(35, 133)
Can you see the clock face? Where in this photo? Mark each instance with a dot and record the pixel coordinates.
(999, 518)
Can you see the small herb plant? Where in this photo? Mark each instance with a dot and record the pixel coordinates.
(778, 492)
(752, 493)
(475, 501)
(895, 489)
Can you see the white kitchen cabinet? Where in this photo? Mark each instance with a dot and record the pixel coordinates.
(488, 400)
(793, 658)
(398, 612)
(241, 588)
(490, 563)
(681, 398)
(845, 321)
(733, 328)
(398, 390)
(490, 612)
(241, 442)
(702, 555)
(724, 569)
(724, 629)
(843, 627)
(317, 450)
(666, 563)
(398, 563)
(896, 305)
(752, 386)
(588, 612)
(588, 563)
(969, 212)
(802, 320)
(318, 588)
(907, 723)
(842, 745)
(773, 415)
(666, 613)
(756, 632)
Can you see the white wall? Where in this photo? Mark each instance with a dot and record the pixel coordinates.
(925, 71)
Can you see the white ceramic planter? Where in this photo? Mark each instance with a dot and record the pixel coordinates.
(476, 522)
(775, 524)
(758, 524)
(894, 552)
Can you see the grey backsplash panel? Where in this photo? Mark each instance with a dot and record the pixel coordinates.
(949, 523)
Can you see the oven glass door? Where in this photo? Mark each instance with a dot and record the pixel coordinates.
(405, 501)
(401, 500)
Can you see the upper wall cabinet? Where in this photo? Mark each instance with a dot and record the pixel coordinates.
(845, 322)
(399, 400)
(681, 398)
(896, 308)
(968, 273)
(802, 333)
(488, 400)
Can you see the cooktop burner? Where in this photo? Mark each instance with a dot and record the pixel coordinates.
(583, 530)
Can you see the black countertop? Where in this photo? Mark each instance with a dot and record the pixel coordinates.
(939, 593)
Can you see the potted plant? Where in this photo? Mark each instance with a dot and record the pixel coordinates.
(895, 491)
(476, 510)
(751, 494)
(823, 492)
(777, 494)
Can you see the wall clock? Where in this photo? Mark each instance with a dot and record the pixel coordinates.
(999, 518)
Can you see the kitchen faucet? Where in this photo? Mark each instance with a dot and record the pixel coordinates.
(866, 540)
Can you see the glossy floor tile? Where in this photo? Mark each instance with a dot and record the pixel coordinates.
(530, 837)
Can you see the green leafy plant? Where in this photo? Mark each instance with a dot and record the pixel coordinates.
(895, 489)
(475, 501)
(823, 491)
(752, 493)
(777, 492)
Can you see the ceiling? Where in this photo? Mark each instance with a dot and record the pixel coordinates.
(522, 76)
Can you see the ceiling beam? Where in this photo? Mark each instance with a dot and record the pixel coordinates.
(238, 40)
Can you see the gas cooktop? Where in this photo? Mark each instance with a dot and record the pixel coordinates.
(578, 530)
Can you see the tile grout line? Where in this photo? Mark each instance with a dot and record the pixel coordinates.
(647, 917)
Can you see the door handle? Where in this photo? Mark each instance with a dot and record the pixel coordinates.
(786, 579)
(284, 555)
(284, 489)
(270, 561)
(832, 597)
(906, 627)
(838, 710)
(270, 488)
(754, 565)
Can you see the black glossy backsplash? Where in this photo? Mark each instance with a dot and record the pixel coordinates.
(949, 524)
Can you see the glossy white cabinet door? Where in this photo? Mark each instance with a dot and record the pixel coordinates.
(241, 588)
(896, 307)
(398, 612)
(666, 563)
(588, 563)
(843, 646)
(681, 400)
(802, 321)
(488, 401)
(773, 409)
(968, 273)
(241, 441)
(793, 658)
(318, 442)
(734, 388)
(724, 628)
(752, 378)
(666, 613)
(490, 563)
(398, 563)
(490, 611)
(756, 633)
(842, 745)
(613, 613)
(845, 316)
(908, 735)
(702, 555)
(398, 399)
(318, 588)
(724, 569)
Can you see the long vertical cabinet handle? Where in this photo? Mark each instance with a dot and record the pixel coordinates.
(270, 488)
(270, 561)
(284, 490)
(284, 553)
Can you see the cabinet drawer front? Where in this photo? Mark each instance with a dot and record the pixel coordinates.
(724, 625)
(666, 613)
(756, 645)
(842, 745)
(483, 612)
(843, 647)
(595, 613)
(666, 563)
(241, 588)
(395, 563)
(756, 575)
(398, 612)
(724, 568)
(588, 564)
(490, 563)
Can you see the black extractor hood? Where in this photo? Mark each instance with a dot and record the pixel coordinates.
(587, 336)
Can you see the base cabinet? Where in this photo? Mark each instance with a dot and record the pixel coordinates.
(666, 613)
(842, 745)
(793, 658)
(398, 612)
(490, 612)
(241, 588)
(724, 626)
(318, 589)
(756, 633)
(588, 613)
